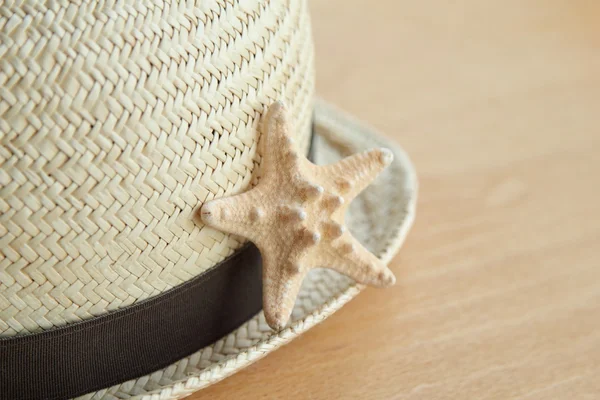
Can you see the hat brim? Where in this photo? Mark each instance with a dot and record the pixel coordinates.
(380, 217)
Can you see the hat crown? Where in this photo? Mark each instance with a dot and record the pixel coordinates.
(118, 120)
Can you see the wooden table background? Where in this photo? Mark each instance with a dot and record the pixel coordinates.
(498, 293)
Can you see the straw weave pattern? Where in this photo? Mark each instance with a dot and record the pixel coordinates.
(118, 119)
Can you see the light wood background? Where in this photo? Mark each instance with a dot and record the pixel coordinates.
(498, 293)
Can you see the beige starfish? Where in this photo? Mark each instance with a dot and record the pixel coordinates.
(295, 216)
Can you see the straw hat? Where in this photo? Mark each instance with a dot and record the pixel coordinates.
(118, 121)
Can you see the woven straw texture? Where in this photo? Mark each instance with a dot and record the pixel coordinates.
(118, 119)
(380, 217)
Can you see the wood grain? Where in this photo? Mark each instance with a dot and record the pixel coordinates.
(498, 292)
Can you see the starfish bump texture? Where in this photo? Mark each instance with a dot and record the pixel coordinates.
(295, 216)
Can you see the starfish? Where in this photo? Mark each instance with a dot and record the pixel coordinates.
(295, 216)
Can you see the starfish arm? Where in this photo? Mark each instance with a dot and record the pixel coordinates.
(282, 279)
(351, 175)
(349, 257)
(279, 151)
(240, 214)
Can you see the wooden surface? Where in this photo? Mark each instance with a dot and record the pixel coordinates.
(498, 293)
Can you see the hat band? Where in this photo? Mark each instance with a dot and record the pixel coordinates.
(135, 341)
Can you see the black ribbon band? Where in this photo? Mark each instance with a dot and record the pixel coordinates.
(103, 351)
(88, 356)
